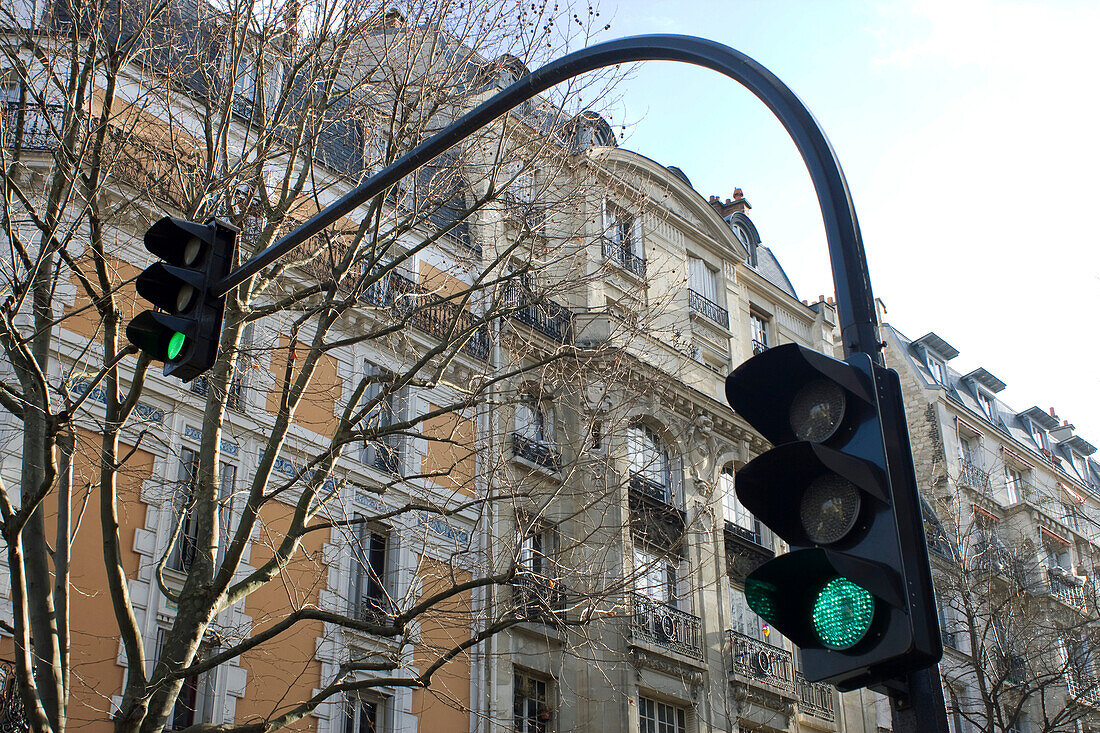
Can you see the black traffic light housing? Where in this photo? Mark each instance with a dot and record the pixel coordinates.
(185, 331)
(840, 489)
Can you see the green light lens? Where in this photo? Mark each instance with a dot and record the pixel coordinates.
(175, 344)
(842, 614)
(760, 597)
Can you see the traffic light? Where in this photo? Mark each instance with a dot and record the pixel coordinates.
(855, 591)
(185, 331)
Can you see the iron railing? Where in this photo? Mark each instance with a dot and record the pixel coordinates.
(758, 347)
(624, 256)
(974, 476)
(664, 625)
(762, 662)
(1064, 589)
(1083, 687)
(537, 598)
(548, 318)
(708, 309)
(375, 609)
(38, 129)
(429, 312)
(752, 535)
(648, 487)
(13, 719)
(816, 698)
(536, 451)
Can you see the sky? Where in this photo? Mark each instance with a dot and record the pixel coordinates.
(968, 132)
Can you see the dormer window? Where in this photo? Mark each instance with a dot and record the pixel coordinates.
(938, 368)
(988, 404)
(1038, 435)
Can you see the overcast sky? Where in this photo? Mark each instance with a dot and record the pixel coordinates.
(968, 133)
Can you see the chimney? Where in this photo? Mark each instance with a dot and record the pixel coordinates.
(724, 208)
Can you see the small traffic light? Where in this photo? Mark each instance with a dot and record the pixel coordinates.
(855, 591)
(185, 331)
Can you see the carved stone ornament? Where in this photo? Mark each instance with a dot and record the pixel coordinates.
(642, 659)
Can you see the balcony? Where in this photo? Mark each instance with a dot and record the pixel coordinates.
(816, 699)
(537, 598)
(375, 609)
(550, 319)
(708, 309)
(428, 312)
(38, 130)
(758, 347)
(972, 475)
(624, 256)
(761, 663)
(1063, 587)
(12, 716)
(745, 551)
(537, 452)
(652, 515)
(381, 455)
(1083, 688)
(665, 626)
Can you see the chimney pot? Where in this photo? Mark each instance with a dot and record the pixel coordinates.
(1053, 413)
(738, 194)
(831, 301)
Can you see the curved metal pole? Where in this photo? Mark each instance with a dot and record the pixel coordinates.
(855, 301)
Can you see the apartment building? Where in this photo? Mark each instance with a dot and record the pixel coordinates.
(468, 468)
(1012, 509)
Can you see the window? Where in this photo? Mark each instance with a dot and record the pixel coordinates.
(758, 328)
(237, 399)
(1014, 485)
(743, 619)
(938, 369)
(1038, 435)
(623, 239)
(196, 701)
(702, 279)
(649, 463)
(383, 449)
(744, 523)
(363, 715)
(1056, 555)
(657, 717)
(183, 550)
(533, 438)
(746, 240)
(530, 703)
(370, 573)
(655, 577)
(956, 717)
(1071, 517)
(988, 404)
(953, 626)
(969, 446)
(1080, 465)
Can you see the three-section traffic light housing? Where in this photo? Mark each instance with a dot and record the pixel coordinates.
(185, 331)
(855, 591)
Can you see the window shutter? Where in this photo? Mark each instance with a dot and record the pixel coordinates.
(636, 244)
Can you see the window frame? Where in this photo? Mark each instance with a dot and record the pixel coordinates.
(650, 461)
(373, 571)
(537, 705)
(656, 716)
(758, 331)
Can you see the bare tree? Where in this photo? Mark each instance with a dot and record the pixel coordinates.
(1019, 627)
(381, 378)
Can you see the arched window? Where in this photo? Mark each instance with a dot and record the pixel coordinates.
(533, 432)
(738, 518)
(650, 463)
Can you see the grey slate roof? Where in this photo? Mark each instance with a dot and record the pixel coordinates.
(768, 265)
(1006, 421)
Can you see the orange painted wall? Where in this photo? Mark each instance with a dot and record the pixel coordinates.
(444, 706)
(450, 451)
(284, 671)
(318, 405)
(440, 282)
(94, 637)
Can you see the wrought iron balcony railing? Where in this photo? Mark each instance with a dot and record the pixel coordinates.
(31, 126)
(548, 318)
(1083, 687)
(429, 312)
(12, 716)
(1064, 588)
(816, 698)
(375, 609)
(624, 256)
(762, 662)
(384, 456)
(538, 598)
(650, 488)
(708, 308)
(537, 452)
(758, 347)
(666, 626)
(974, 476)
(752, 535)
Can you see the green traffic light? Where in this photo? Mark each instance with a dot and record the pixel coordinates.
(175, 344)
(842, 614)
